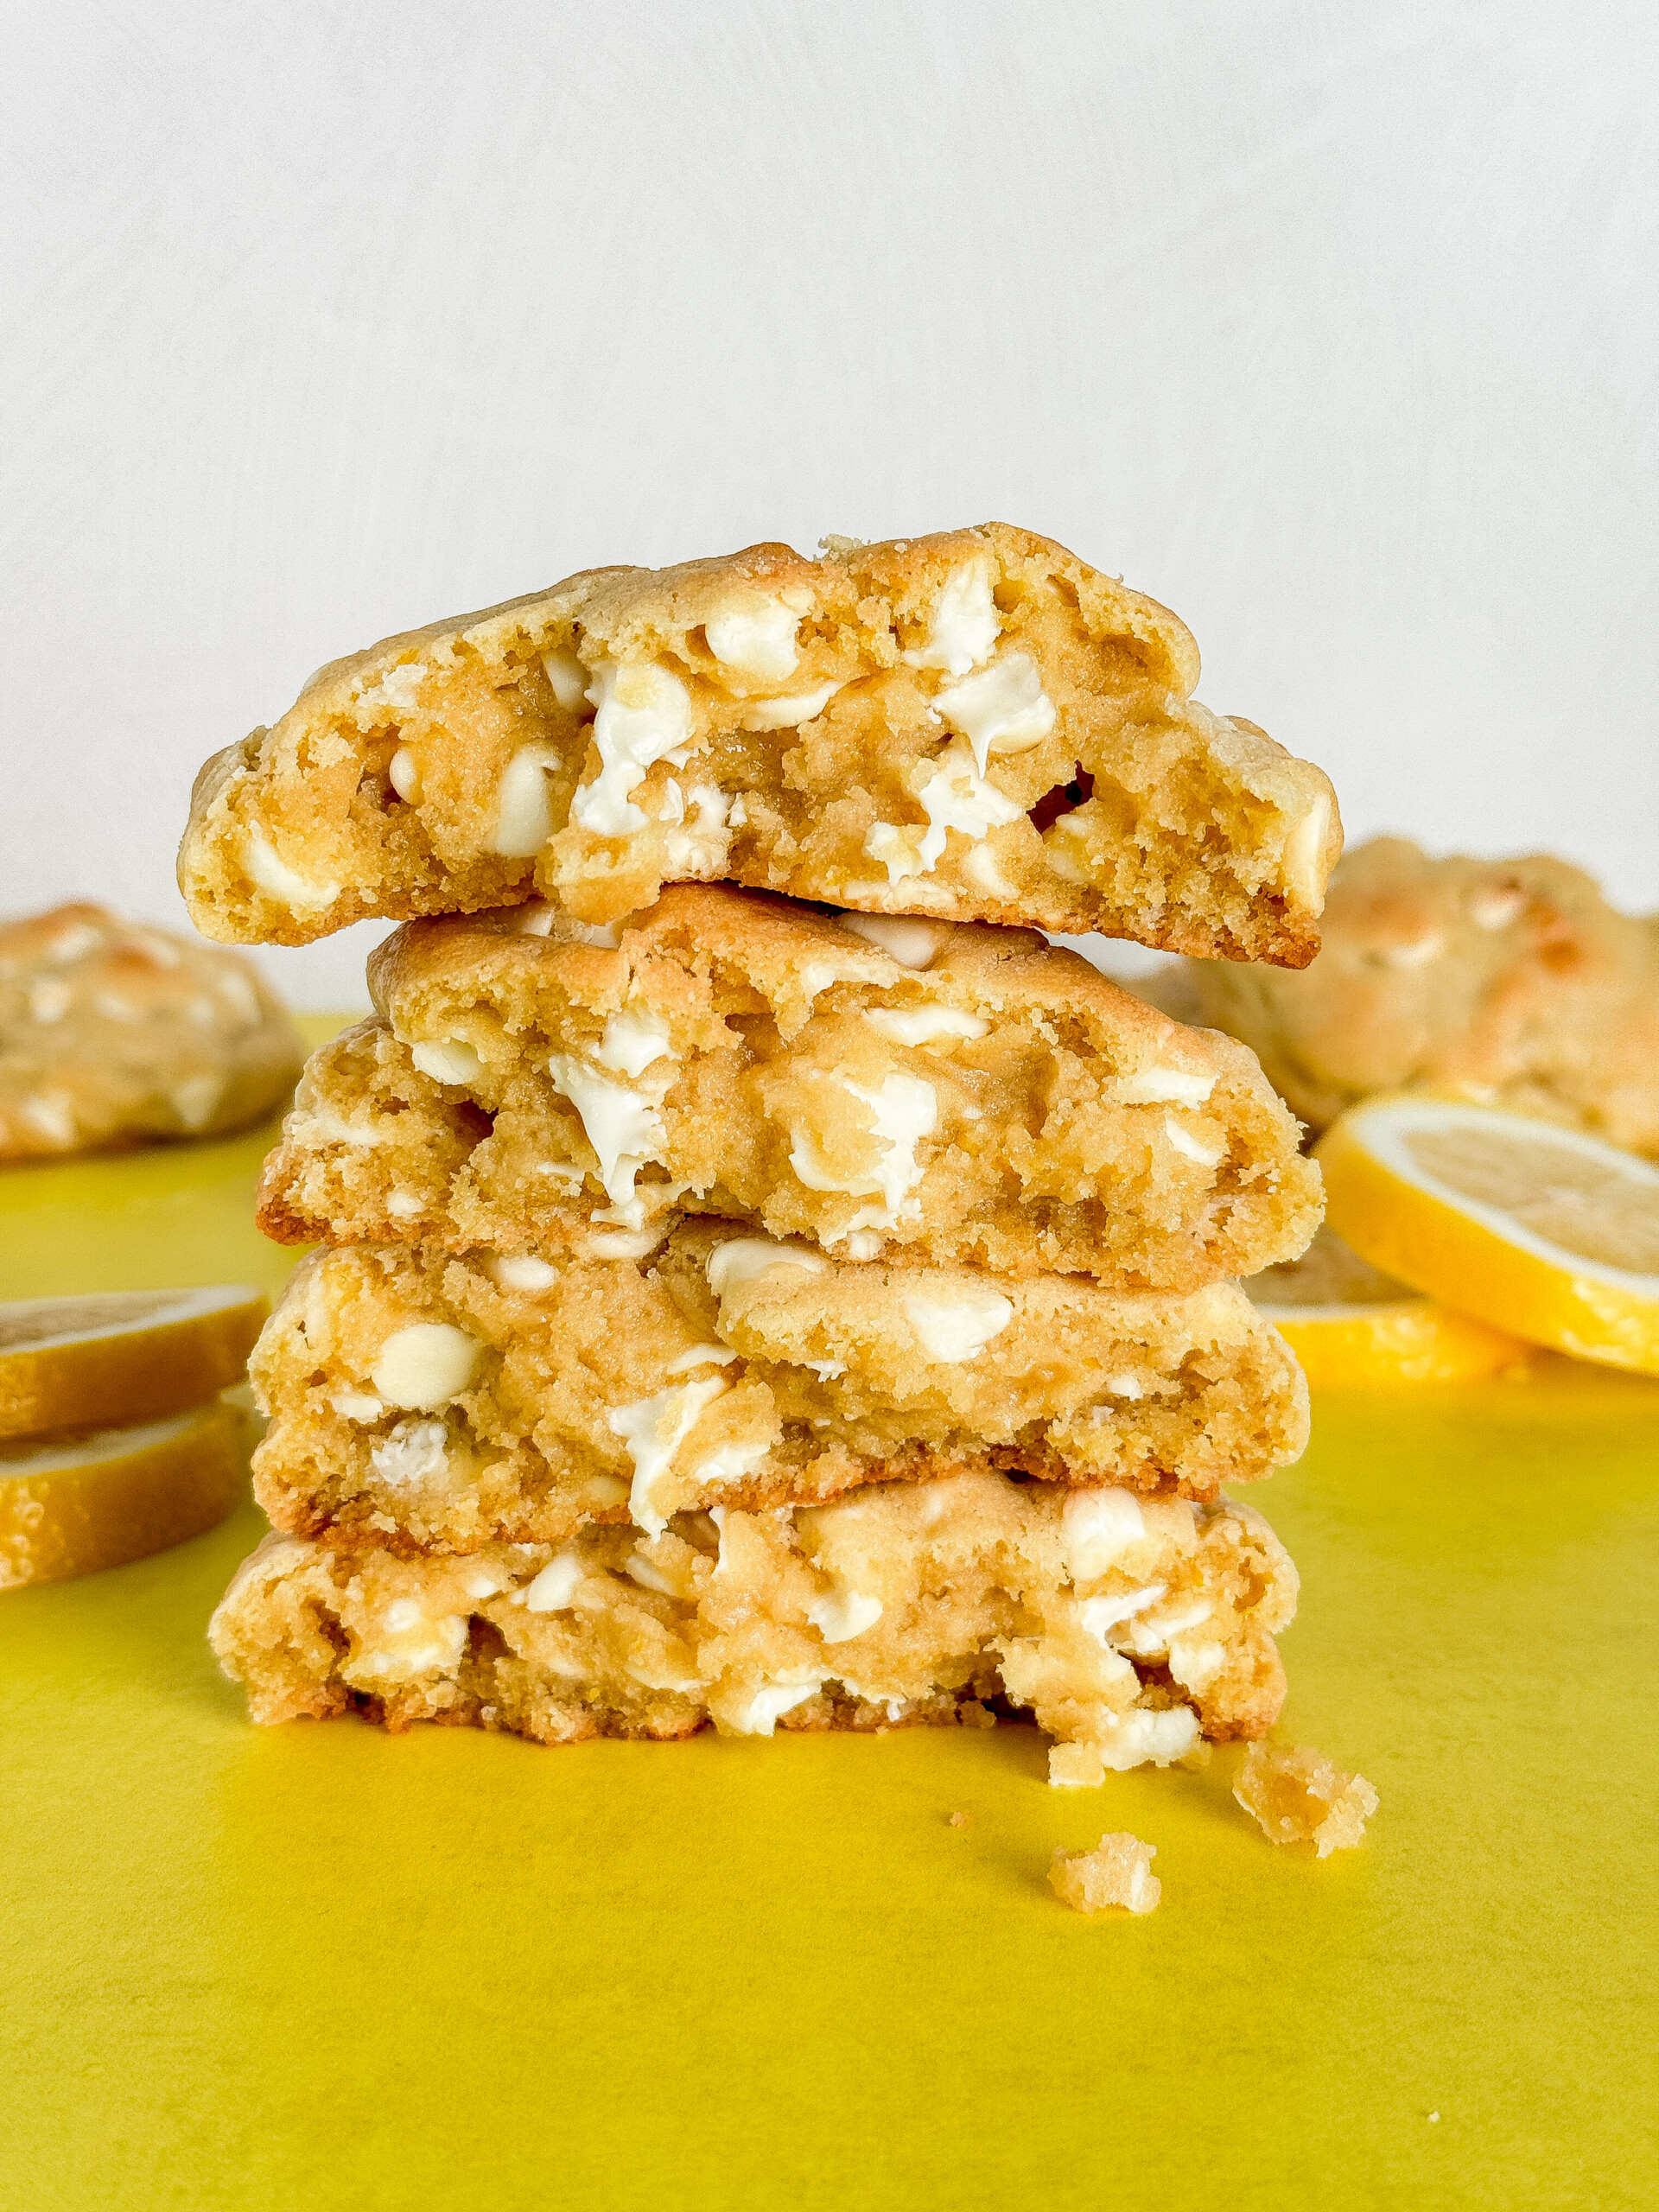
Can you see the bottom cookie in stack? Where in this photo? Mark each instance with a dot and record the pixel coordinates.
(1129, 1626)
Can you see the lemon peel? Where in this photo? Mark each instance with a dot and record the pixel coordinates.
(1542, 1231)
(1352, 1326)
(71, 1504)
(120, 1357)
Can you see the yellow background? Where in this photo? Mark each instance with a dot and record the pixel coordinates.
(315, 1965)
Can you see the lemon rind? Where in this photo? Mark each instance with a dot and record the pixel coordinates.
(1472, 1258)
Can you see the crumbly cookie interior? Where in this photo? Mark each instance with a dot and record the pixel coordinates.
(1014, 1112)
(418, 1397)
(1128, 1627)
(973, 726)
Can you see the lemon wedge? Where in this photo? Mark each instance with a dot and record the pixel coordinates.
(1545, 1232)
(71, 1505)
(121, 1356)
(1351, 1325)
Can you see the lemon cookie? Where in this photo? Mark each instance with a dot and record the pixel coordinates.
(906, 1089)
(1508, 983)
(1128, 1627)
(111, 1032)
(454, 1400)
(972, 725)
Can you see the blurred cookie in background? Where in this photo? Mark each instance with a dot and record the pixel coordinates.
(1504, 983)
(114, 1032)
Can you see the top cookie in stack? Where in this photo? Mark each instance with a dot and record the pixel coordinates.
(974, 725)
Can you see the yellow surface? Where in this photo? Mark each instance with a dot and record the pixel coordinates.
(1431, 1237)
(1392, 1340)
(75, 1505)
(316, 1966)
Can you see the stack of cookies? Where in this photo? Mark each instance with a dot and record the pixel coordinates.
(734, 1308)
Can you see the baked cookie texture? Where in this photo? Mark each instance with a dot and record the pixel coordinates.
(1128, 1627)
(1508, 982)
(431, 1399)
(975, 725)
(909, 1090)
(112, 1032)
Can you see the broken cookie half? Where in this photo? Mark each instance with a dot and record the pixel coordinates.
(909, 1090)
(1128, 1629)
(425, 1398)
(975, 725)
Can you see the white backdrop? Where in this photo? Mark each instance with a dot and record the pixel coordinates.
(1333, 326)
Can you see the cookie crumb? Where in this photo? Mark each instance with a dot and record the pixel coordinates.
(961, 1820)
(1075, 1766)
(1300, 1796)
(1117, 1875)
(1434, 2116)
(972, 1715)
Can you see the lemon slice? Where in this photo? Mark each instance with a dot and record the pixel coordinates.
(70, 1505)
(121, 1356)
(1545, 1232)
(1350, 1323)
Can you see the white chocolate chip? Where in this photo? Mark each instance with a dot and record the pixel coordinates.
(404, 775)
(195, 1099)
(980, 867)
(1158, 1086)
(414, 1453)
(568, 679)
(644, 716)
(757, 638)
(524, 815)
(554, 1587)
(965, 624)
(925, 1025)
(522, 1271)
(1417, 954)
(653, 1429)
(633, 1041)
(787, 714)
(904, 1109)
(1097, 1615)
(1002, 709)
(302, 893)
(701, 1356)
(625, 1129)
(767, 1706)
(956, 1329)
(624, 1244)
(1187, 1145)
(447, 1059)
(1302, 869)
(844, 1614)
(357, 1405)
(912, 943)
(649, 1576)
(732, 1462)
(1098, 1526)
(742, 1258)
(425, 1365)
